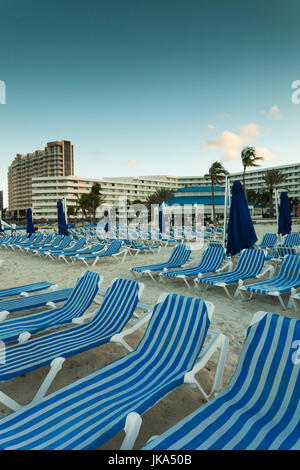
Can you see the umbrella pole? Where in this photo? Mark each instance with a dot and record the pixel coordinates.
(225, 208)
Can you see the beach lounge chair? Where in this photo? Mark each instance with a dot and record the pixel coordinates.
(178, 258)
(26, 289)
(14, 239)
(116, 309)
(35, 238)
(113, 250)
(259, 408)
(37, 244)
(88, 412)
(286, 281)
(211, 261)
(269, 241)
(89, 251)
(55, 243)
(291, 240)
(32, 301)
(62, 246)
(4, 238)
(295, 301)
(249, 266)
(136, 248)
(67, 251)
(78, 301)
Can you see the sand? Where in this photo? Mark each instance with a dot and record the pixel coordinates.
(231, 317)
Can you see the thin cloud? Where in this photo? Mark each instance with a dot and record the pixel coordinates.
(265, 153)
(211, 127)
(131, 163)
(251, 129)
(273, 113)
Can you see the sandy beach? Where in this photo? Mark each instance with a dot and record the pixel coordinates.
(231, 317)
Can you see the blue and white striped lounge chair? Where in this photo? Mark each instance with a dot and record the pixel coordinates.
(32, 301)
(66, 241)
(35, 238)
(286, 281)
(88, 412)
(26, 289)
(113, 250)
(116, 309)
(4, 238)
(36, 245)
(211, 261)
(259, 408)
(68, 251)
(55, 243)
(16, 238)
(291, 240)
(269, 241)
(94, 249)
(249, 265)
(136, 248)
(179, 257)
(78, 301)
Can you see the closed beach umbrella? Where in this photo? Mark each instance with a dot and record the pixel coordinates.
(240, 230)
(61, 220)
(106, 221)
(30, 228)
(161, 218)
(285, 219)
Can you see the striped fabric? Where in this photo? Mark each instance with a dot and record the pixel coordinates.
(88, 412)
(70, 251)
(284, 250)
(179, 256)
(62, 246)
(57, 240)
(32, 241)
(259, 409)
(14, 239)
(112, 249)
(116, 309)
(288, 277)
(211, 260)
(4, 238)
(249, 265)
(46, 241)
(33, 301)
(292, 239)
(269, 241)
(12, 291)
(78, 302)
(93, 249)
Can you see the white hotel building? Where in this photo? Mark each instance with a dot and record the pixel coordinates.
(46, 191)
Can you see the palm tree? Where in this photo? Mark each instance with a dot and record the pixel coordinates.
(216, 174)
(82, 204)
(160, 195)
(249, 158)
(95, 199)
(273, 178)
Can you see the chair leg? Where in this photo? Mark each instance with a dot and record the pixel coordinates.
(55, 367)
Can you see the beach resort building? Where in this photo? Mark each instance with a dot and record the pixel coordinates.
(55, 160)
(48, 190)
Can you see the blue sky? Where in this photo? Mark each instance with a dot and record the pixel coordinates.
(150, 86)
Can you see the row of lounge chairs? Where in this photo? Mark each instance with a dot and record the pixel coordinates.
(257, 410)
(251, 265)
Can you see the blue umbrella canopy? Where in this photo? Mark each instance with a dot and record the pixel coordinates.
(285, 219)
(240, 230)
(106, 221)
(30, 227)
(61, 220)
(161, 218)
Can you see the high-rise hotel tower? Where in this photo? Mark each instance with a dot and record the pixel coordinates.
(55, 160)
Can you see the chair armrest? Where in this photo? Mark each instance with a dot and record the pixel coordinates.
(227, 265)
(268, 268)
(4, 314)
(119, 337)
(217, 340)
